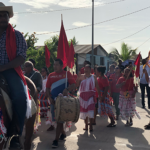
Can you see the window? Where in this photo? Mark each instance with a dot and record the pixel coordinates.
(91, 60)
(101, 60)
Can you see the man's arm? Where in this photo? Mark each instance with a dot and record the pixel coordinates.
(18, 61)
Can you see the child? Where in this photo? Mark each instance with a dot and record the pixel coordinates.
(115, 92)
(105, 104)
(127, 104)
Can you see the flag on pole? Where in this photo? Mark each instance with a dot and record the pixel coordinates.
(47, 57)
(137, 63)
(70, 60)
(63, 46)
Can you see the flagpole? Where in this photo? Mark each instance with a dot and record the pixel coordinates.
(92, 34)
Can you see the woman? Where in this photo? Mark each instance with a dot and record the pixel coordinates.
(42, 96)
(87, 84)
(96, 99)
(105, 108)
(44, 103)
(115, 92)
(127, 104)
(111, 71)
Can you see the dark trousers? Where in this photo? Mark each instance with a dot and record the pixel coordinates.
(143, 86)
(17, 95)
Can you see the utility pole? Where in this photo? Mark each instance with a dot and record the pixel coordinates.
(92, 33)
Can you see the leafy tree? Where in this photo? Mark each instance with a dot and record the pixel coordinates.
(30, 39)
(126, 53)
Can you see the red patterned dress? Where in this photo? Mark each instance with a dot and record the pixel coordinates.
(105, 108)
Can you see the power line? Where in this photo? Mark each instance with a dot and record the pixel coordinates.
(143, 43)
(68, 8)
(99, 22)
(128, 36)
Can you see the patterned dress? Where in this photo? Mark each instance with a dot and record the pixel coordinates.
(87, 98)
(105, 108)
(127, 103)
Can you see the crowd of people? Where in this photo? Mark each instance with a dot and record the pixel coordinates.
(97, 90)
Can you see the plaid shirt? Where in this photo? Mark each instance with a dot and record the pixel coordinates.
(21, 47)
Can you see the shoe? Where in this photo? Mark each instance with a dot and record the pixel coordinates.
(62, 137)
(55, 144)
(15, 143)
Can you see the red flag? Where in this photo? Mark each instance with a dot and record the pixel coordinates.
(137, 63)
(47, 57)
(63, 46)
(70, 60)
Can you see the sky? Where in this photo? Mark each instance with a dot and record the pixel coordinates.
(104, 33)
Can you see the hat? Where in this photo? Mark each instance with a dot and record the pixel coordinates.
(9, 9)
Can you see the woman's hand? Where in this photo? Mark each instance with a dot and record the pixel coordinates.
(52, 101)
(102, 99)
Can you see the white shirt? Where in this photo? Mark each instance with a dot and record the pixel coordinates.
(142, 75)
(44, 85)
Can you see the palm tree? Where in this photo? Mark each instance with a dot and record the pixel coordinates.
(125, 53)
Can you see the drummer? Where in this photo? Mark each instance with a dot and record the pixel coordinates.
(55, 85)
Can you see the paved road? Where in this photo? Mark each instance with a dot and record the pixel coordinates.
(102, 138)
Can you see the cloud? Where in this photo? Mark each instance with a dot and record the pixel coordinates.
(79, 24)
(14, 20)
(65, 3)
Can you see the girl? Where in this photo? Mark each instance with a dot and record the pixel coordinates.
(42, 95)
(105, 108)
(115, 92)
(44, 102)
(127, 104)
(87, 84)
(111, 71)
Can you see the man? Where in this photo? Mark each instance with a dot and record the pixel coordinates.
(120, 64)
(144, 82)
(86, 63)
(33, 75)
(33, 62)
(12, 55)
(56, 84)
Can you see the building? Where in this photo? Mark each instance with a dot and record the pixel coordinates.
(84, 52)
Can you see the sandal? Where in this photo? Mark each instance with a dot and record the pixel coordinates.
(147, 127)
(111, 125)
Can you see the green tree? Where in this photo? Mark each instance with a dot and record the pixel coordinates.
(30, 39)
(126, 53)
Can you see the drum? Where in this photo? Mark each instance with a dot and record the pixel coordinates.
(67, 109)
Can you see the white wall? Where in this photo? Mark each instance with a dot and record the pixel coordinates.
(81, 58)
(100, 52)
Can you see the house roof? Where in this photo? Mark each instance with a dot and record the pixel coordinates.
(86, 48)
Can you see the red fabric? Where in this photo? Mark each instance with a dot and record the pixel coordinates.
(75, 76)
(70, 59)
(113, 83)
(35, 69)
(137, 63)
(103, 83)
(63, 46)
(54, 77)
(47, 57)
(128, 86)
(82, 71)
(11, 49)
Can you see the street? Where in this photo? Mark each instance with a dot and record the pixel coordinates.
(102, 138)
